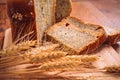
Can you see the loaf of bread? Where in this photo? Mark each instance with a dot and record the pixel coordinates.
(75, 36)
(36, 15)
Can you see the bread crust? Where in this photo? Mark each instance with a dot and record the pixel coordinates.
(93, 45)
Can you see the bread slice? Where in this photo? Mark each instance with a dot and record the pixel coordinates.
(75, 36)
(63, 9)
(44, 15)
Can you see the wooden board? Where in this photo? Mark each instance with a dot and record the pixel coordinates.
(108, 56)
(111, 10)
(87, 12)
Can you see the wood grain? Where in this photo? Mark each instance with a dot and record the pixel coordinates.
(111, 10)
(108, 56)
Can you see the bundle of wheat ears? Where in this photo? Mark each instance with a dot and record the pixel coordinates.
(27, 57)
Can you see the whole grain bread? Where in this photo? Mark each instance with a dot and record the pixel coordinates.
(75, 36)
(36, 15)
(44, 16)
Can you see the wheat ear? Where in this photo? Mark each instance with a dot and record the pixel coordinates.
(69, 62)
(44, 53)
(47, 56)
(17, 48)
(28, 55)
(40, 49)
(113, 68)
(87, 58)
(60, 65)
(83, 58)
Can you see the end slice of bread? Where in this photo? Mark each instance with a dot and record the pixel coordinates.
(76, 37)
(63, 9)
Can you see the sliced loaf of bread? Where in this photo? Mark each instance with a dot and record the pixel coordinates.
(75, 36)
(36, 15)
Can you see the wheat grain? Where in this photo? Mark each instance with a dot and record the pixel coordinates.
(14, 49)
(113, 68)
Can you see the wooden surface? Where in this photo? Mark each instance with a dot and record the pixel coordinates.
(108, 8)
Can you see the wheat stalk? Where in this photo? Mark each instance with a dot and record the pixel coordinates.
(113, 68)
(15, 61)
